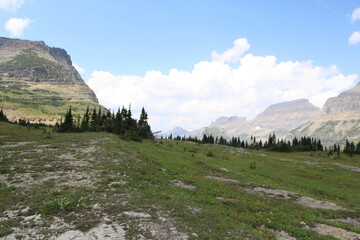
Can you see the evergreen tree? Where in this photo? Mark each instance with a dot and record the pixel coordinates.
(144, 127)
(86, 120)
(68, 124)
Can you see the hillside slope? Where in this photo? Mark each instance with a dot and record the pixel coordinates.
(97, 186)
(39, 83)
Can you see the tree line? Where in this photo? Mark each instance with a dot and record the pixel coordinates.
(272, 144)
(121, 123)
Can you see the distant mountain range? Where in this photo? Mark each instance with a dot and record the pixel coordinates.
(337, 121)
(176, 131)
(39, 83)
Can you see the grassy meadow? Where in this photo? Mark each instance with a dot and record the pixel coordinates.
(202, 191)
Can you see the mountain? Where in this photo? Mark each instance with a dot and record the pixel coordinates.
(176, 131)
(340, 119)
(39, 83)
(283, 117)
(280, 118)
(227, 120)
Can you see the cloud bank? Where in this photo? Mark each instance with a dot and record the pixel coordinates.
(17, 26)
(193, 99)
(11, 5)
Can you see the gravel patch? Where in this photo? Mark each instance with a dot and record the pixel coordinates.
(335, 232)
(180, 184)
(61, 178)
(103, 231)
(351, 221)
(349, 167)
(137, 214)
(221, 179)
(304, 201)
(15, 144)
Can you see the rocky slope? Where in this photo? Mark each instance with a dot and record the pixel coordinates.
(38, 82)
(340, 119)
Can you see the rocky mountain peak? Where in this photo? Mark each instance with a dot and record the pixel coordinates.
(299, 106)
(60, 55)
(346, 102)
(41, 78)
(224, 120)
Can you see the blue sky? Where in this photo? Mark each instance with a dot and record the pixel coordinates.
(135, 44)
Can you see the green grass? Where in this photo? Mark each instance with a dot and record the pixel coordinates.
(29, 57)
(225, 210)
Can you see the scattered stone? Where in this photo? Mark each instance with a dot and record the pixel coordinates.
(303, 223)
(352, 221)
(66, 156)
(96, 206)
(281, 235)
(178, 183)
(304, 201)
(224, 169)
(349, 167)
(137, 214)
(165, 230)
(194, 210)
(33, 217)
(103, 231)
(335, 232)
(314, 203)
(221, 179)
(236, 151)
(15, 144)
(62, 178)
(89, 149)
(225, 199)
(59, 224)
(117, 183)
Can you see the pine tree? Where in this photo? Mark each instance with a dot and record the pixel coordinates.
(68, 124)
(86, 120)
(144, 127)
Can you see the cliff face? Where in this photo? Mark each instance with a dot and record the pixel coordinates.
(340, 119)
(285, 116)
(38, 81)
(346, 102)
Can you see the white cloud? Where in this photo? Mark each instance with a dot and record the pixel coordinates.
(354, 38)
(78, 68)
(355, 16)
(11, 5)
(232, 55)
(213, 88)
(17, 26)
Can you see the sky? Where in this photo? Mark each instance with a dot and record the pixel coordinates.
(189, 62)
